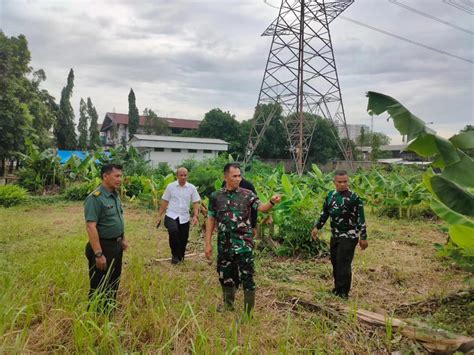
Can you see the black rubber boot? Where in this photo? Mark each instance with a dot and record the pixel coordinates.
(229, 299)
(249, 302)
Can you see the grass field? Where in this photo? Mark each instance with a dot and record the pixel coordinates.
(172, 309)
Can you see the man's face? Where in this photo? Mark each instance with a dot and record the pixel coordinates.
(232, 178)
(113, 180)
(182, 176)
(341, 182)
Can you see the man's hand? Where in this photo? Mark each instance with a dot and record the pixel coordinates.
(101, 263)
(209, 253)
(314, 234)
(194, 221)
(124, 244)
(276, 199)
(363, 244)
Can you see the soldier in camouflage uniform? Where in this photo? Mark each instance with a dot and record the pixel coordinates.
(230, 208)
(347, 221)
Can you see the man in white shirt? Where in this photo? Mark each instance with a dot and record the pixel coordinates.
(176, 199)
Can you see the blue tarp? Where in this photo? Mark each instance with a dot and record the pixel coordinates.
(66, 154)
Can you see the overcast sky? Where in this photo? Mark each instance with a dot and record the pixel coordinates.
(183, 58)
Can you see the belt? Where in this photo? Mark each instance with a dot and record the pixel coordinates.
(118, 239)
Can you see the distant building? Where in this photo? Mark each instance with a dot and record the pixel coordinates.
(174, 149)
(397, 152)
(353, 130)
(114, 128)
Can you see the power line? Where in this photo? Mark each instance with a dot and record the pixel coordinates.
(458, 6)
(406, 39)
(422, 13)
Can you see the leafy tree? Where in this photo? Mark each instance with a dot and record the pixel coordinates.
(468, 128)
(133, 116)
(15, 118)
(155, 124)
(25, 109)
(64, 129)
(44, 110)
(94, 135)
(367, 138)
(222, 125)
(82, 126)
(273, 144)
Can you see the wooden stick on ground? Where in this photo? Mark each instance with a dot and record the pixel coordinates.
(191, 255)
(432, 340)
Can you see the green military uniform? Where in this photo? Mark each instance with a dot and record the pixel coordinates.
(232, 211)
(105, 208)
(347, 222)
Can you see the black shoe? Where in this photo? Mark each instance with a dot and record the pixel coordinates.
(340, 294)
(174, 260)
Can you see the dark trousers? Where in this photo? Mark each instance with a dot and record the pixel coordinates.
(342, 253)
(178, 236)
(104, 283)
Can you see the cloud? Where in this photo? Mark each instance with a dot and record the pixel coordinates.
(183, 58)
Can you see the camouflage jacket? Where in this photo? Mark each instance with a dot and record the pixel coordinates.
(232, 211)
(347, 214)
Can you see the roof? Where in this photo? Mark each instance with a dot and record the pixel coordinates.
(391, 147)
(403, 162)
(122, 118)
(145, 137)
(65, 155)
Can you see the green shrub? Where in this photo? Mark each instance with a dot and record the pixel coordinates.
(11, 195)
(79, 192)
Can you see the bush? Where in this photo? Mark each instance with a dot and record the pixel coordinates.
(11, 195)
(79, 192)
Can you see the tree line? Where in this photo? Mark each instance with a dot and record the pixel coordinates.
(29, 111)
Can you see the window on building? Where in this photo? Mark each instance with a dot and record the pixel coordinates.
(207, 151)
(159, 149)
(192, 150)
(175, 150)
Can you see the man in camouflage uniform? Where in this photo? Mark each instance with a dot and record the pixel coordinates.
(231, 208)
(347, 221)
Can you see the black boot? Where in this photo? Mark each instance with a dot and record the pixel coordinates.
(249, 302)
(229, 298)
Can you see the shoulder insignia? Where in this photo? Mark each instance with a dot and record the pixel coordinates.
(97, 193)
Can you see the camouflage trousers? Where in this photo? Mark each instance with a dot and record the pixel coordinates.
(234, 269)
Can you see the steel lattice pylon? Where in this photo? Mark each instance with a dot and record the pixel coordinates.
(301, 76)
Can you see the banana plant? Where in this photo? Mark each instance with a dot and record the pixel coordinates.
(453, 200)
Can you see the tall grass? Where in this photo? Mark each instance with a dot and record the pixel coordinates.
(162, 308)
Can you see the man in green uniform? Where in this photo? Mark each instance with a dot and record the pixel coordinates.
(231, 209)
(347, 221)
(105, 228)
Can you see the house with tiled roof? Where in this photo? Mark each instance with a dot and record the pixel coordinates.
(114, 128)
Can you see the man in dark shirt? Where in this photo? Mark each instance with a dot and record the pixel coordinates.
(347, 221)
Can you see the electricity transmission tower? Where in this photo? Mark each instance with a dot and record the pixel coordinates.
(301, 76)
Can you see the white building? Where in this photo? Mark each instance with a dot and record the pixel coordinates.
(174, 149)
(352, 129)
(114, 128)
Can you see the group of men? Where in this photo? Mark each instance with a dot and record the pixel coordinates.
(232, 211)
